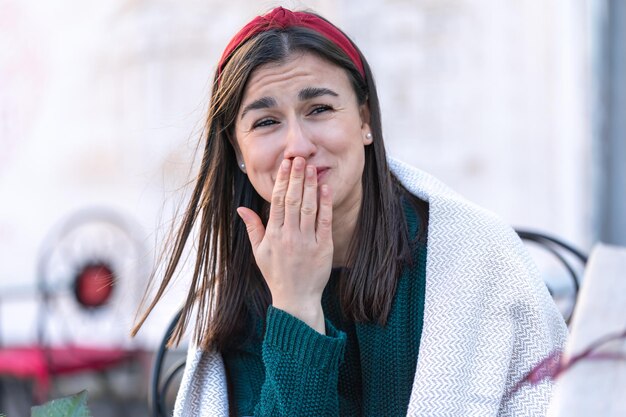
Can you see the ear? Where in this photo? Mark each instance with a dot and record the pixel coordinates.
(240, 162)
(366, 131)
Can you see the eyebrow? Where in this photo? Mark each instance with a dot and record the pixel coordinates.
(262, 103)
(314, 92)
(304, 94)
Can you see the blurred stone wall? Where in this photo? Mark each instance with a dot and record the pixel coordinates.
(102, 104)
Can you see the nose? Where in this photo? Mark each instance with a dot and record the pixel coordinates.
(298, 142)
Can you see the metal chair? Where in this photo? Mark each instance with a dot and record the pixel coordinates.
(88, 278)
(160, 384)
(571, 259)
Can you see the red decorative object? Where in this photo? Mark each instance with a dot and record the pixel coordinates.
(94, 285)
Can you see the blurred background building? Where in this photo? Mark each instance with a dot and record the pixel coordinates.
(519, 106)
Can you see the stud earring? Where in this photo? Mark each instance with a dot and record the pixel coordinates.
(242, 165)
(369, 136)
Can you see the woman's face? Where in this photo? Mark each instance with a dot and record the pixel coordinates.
(304, 106)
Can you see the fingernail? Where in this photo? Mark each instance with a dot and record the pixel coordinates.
(241, 214)
(298, 163)
(310, 171)
(285, 165)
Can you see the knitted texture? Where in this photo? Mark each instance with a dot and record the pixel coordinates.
(350, 386)
(488, 319)
(375, 375)
(285, 392)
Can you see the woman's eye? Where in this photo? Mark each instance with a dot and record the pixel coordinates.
(321, 109)
(263, 123)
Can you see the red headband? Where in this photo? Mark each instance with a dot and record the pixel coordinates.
(280, 18)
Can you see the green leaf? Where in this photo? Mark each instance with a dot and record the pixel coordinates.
(72, 406)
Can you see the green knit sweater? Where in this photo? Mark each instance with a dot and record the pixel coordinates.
(354, 370)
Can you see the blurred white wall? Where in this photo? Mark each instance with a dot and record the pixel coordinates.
(101, 104)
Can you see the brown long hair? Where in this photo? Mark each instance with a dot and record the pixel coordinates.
(227, 290)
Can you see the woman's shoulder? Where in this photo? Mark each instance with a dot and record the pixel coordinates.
(462, 234)
(452, 215)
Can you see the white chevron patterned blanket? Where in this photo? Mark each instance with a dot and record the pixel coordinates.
(488, 319)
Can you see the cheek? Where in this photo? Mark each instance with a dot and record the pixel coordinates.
(262, 156)
(262, 186)
(261, 170)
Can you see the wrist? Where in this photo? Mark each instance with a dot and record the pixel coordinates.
(309, 313)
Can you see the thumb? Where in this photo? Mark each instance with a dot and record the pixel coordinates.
(254, 226)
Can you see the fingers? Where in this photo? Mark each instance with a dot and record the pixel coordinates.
(254, 226)
(293, 198)
(308, 211)
(277, 207)
(325, 215)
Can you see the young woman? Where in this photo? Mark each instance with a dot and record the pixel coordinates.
(330, 280)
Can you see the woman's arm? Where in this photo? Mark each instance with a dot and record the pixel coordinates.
(294, 252)
(301, 368)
